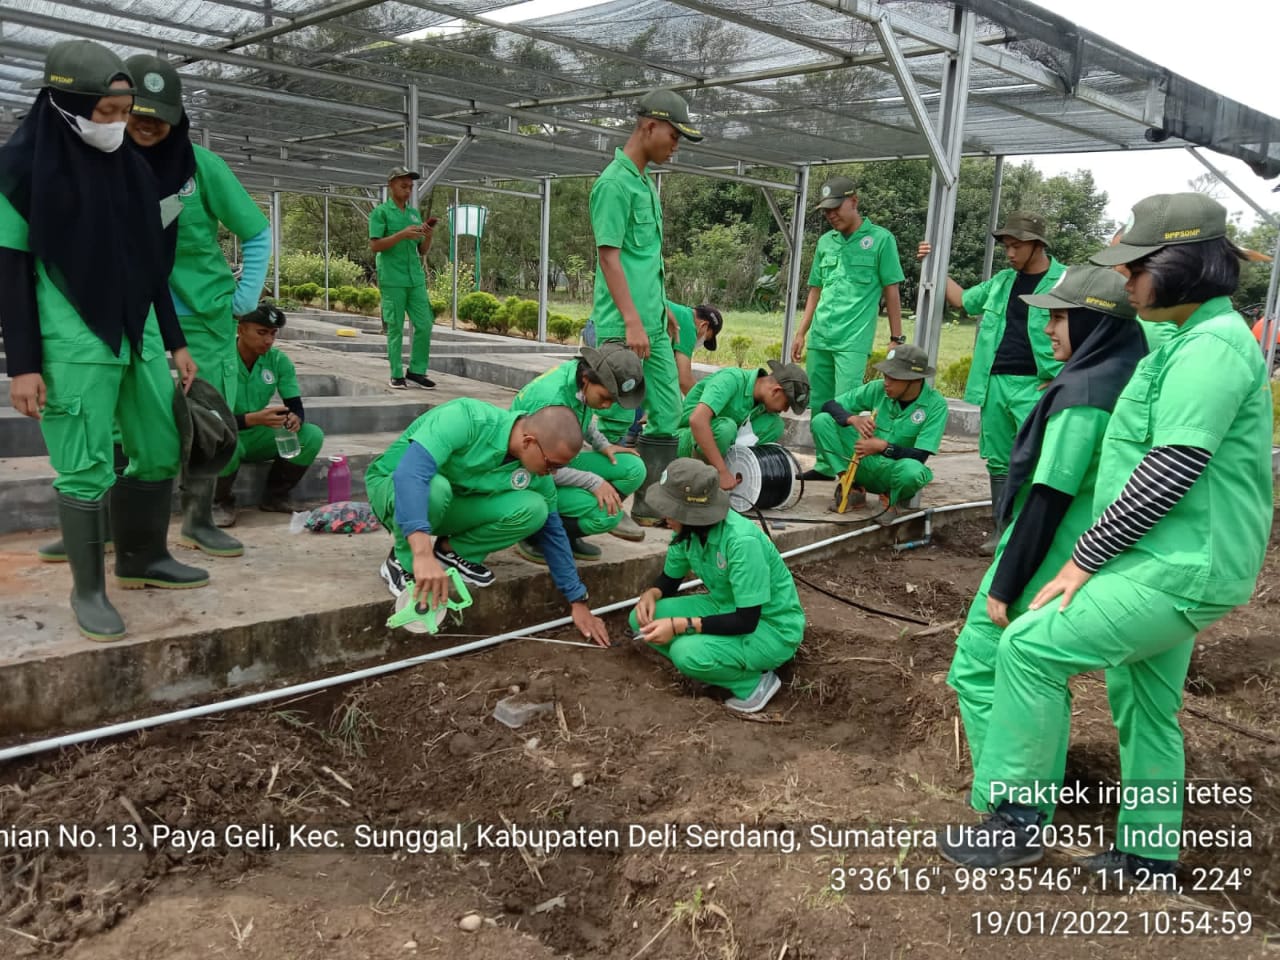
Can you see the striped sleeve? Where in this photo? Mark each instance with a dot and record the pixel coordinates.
(1159, 482)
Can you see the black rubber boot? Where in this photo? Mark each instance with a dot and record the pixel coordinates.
(140, 526)
(224, 502)
(56, 552)
(283, 477)
(198, 529)
(657, 453)
(82, 532)
(988, 546)
(582, 548)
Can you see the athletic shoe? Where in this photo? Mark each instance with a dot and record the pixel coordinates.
(476, 574)
(399, 383)
(394, 575)
(1125, 870)
(421, 379)
(1007, 838)
(769, 685)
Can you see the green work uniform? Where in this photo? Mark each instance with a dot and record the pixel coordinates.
(1138, 616)
(403, 285)
(686, 329)
(202, 282)
(740, 567)
(919, 424)
(1068, 463)
(90, 389)
(730, 393)
(1157, 333)
(482, 498)
(559, 386)
(626, 214)
(1006, 399)
(271, 374)
(852, 273)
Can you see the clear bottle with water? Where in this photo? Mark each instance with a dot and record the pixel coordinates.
(287, 444)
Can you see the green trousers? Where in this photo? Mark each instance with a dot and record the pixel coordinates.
(661, 384)
(396, 302)
(1009, 401)
(731, 662)
(626, 476)
(767, 426)
(213, 348)
(900, 479)
(832, 373)
(258, 445)
(475, 525)
(85, 403)
(1142, 638)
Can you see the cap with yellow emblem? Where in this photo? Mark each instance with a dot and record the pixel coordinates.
(1162, 221)
(1094, 288)
(159, 89)
(82, 66)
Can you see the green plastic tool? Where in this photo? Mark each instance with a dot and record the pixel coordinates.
(419, 618)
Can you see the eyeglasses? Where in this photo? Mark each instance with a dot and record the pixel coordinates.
(552, 466)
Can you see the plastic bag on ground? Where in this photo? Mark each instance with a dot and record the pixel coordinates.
(347, 516)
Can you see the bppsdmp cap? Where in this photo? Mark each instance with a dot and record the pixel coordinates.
(206, 429)
(689, 491)
(620, 371)
(1095, 288)
(265, 314)
(834, 192)
(794, 382)
(669, 106)
(158, 88)
(1023, 225)
(715, 323)
(906, 362)
(82, 66)
(1164, 220)
(396, 172)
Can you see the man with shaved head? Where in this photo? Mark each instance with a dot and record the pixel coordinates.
(467, 479)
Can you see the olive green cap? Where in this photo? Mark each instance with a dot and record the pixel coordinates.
(1095, 288)
(689, 491)
(1024, 225)
(82, 66)
(158, 89)
(834, 192)
(906, 362)
(620, 371)
(1165, 220)
(794, 382)
(669, 106)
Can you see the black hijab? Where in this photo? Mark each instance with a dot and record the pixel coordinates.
(93, 218)
(173, 161)
(1106, 350)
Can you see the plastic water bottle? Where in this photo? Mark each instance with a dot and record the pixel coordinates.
(339, 480)
(287, 444)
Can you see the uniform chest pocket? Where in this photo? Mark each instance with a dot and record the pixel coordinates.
(861, 268)
(1131, 418)
(642, 231)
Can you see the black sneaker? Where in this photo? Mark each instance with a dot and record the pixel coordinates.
(394, 575)
(476, 574)
(1128, 870)
(1004, 839)
(421, 379)
(399, 383)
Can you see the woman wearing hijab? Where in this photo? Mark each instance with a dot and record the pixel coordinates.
(86, 319)
(1052, 472)
(1190, 432)
(204, 290)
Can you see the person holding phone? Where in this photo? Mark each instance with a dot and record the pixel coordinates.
(400, 238)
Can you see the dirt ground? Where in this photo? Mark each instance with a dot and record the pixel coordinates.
(863, 734)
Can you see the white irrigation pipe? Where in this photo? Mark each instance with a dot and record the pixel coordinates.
(293, 690)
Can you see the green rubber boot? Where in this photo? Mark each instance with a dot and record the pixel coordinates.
(198, 529)
(56, 551)
(82, 534)
(583, 549)
(657, 453)
(140, 526)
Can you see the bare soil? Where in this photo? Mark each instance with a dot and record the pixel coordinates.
(864, 733)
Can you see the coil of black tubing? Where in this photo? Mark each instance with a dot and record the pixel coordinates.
(769, 478)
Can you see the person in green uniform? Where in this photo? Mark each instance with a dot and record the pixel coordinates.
(265, 371)
(1053, 470)
(1189, 433)
(629, 304)
(909, 420)
(86, 318)
(749, 622)
(1012, 358)
(855, 266)
(591, 488)
(205, 293)
(695, 327)
(400, 238)
(721, 405)
(467, 479)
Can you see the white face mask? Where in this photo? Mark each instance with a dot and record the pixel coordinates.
(106, 137)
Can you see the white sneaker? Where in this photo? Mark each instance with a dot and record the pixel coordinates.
(769, 685)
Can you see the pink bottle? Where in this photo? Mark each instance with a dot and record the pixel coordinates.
(339, 480)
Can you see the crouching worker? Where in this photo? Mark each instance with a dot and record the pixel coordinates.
(467, 479)
(905, 426)
(720, 405)
(591, 488)
(264, 372)
(749, 622)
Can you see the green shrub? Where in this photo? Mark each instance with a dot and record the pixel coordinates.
(285, 291)
(951, 381)
(525, 317)
(561, 327)
(349, 296)
(478, 309)
(740, 346)
(307, 292)
(333, 295)
(441, 307)
(368, 299)
(773, 350)
(298, 268)
(871, 373)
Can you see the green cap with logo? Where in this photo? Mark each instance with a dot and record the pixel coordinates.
(906, 362)
(669, 106)
(1162, 221)
(82, 66)
(159, 89)
(1095, 288)
(689, 491)
(1024, 225)
(834, 192)
(620, 371)
(794, 382)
